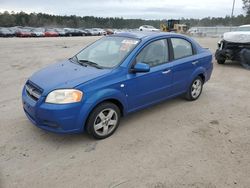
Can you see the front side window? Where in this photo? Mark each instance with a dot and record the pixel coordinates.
(107, 52)
(155, 53)
(182, 48)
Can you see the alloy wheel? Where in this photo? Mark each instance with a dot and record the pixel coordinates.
(105, 122)
(196, 88)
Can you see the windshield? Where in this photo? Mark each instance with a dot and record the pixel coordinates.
(107, 52)
(247, 28)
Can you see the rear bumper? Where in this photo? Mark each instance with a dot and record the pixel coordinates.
(68, 118)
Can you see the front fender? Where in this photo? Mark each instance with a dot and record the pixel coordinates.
(106, 94)
(94, 98)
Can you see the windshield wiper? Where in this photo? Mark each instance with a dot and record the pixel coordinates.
(93, 64)
(75, 60)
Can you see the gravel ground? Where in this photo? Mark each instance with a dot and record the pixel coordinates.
(198, 144)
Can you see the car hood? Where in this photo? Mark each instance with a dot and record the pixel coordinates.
(65, 75)
(237, 36)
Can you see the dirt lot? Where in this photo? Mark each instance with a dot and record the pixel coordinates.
(198, 144)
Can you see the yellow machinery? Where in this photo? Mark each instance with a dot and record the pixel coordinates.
(174, 26)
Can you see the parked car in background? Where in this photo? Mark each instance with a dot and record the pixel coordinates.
(6, 32)
(37, 32)
(100, 31)
(87, 32)
(196, 32)
(109, 31)
(74, 32)
(91, 32)
(235, 46)
(148, 28)
(50, 32)
(23, 32)
(80, 32)
(60, 32)
(116, 75)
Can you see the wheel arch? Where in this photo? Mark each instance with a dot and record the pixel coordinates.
(115, 101)
(201, 71)
(108, 95)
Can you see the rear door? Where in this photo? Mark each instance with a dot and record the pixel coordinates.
(184, 63)
(146, 88)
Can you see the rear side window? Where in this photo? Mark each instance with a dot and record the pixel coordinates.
(181, 47)
(155, 53)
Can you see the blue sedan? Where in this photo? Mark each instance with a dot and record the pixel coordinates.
(112, 77)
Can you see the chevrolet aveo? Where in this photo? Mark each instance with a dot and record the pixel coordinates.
(112, 77)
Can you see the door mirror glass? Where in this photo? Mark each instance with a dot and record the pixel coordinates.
(141, 67)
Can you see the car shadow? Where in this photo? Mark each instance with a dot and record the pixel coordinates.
(83, 138)
(233, 64)
(154, 109)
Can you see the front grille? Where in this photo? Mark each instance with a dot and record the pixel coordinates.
(33, 91)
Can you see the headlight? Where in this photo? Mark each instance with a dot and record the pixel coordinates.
(64, 96)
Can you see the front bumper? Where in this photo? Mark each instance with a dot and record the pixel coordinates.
(66, 118)
(230, 50)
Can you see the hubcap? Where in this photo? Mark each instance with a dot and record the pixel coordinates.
(105, 122)
(196, 88)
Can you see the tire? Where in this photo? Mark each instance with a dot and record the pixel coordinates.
(103, 120)
(245, 58)
(220, 57)
(221, 61)
(195, 89)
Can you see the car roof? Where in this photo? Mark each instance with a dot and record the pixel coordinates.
(245, 25)
(143, 34)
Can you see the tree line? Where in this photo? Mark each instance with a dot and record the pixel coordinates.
(9, 19)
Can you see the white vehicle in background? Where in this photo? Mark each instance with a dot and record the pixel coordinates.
(148, 28)
(235, 46)
(194, 31)
(99, 31)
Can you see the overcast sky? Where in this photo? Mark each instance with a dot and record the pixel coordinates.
(145, 9)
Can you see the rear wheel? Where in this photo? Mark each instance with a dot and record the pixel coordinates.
(195, 89)
(245, 58)
(103, 120)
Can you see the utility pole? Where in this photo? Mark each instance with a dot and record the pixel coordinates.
(232, 14)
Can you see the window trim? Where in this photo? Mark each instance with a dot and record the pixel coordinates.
(194, 52)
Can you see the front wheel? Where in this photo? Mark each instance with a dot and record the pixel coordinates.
(220, 57)
(195, 89)
(221, 61)
(103, 120)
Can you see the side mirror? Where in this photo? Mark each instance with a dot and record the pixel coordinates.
(141, 67)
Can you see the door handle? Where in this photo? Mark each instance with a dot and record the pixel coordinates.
(195, 62)
(166, 72)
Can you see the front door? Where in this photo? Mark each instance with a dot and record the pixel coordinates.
(147, 88)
